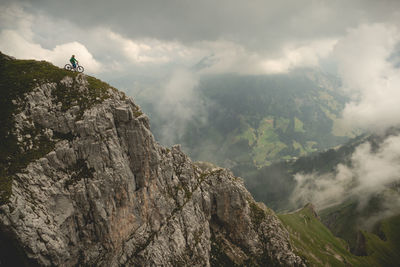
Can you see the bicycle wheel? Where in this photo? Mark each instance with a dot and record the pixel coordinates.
(80, 69)
(68, 67)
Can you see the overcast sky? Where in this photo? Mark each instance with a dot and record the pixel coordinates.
(261, 36)
(128, 42)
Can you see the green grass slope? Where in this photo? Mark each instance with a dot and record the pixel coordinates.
(385, 252)
(319, 247)
(347, 220)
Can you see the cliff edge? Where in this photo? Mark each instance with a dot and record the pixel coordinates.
(83, 182)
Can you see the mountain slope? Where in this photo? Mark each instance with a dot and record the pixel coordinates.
(320, 247)
(83, 182)
(366, 222)
(351, 221)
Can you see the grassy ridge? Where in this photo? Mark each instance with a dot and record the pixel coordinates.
(385, 252)
(314, 241)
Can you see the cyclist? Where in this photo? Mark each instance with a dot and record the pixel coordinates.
(73, 61)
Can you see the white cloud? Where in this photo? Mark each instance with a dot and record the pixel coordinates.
(14, 44)
(234, 58)
(16, 39)
(179, 103)
(142, 52)
(308, 55)
(370, 173)
(369, 77)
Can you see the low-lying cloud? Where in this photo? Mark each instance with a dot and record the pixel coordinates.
(179, 103)
(370, 173)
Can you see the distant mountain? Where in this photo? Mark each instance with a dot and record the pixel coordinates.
(254, 121)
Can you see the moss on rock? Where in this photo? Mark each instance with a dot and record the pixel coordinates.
(257, 214)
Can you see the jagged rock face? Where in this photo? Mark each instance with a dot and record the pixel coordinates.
(109, 195)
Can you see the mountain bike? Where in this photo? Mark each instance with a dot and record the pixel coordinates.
(71, 68)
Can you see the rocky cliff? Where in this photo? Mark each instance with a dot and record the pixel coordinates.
(83, 182)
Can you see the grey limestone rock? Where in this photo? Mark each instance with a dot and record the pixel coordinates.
(108, 194)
